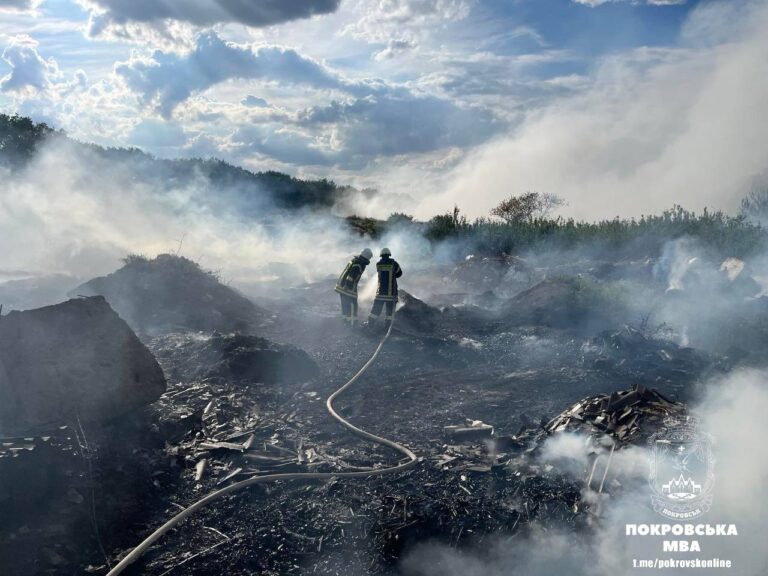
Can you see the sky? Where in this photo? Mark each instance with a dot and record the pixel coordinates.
(619, 106)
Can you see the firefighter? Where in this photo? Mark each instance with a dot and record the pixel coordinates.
(347, 285)
(386, 295)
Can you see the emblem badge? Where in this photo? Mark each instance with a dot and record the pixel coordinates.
(682, 470)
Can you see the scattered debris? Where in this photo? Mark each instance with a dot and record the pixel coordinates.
(481, 273)
(470, 430)
(637, 355)
(239, 405)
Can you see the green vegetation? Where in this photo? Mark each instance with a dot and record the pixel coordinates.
(754, 205)
(19, 139)
(450, 225)
(527, 207)
(135, 260)
(722, 234)
(613, 298)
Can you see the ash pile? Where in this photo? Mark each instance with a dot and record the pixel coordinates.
(239, 357)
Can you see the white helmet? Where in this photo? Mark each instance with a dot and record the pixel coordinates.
(366, 253)
(385, 252)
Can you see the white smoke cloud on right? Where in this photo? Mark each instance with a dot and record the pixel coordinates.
(657, 126)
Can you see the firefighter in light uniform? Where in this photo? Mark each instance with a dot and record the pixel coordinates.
(386, 295)
(347, 285)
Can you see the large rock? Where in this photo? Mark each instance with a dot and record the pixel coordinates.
(78, 358)
(172, 294)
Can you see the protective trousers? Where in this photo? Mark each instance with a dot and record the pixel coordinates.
(376, 310)
(349, 309)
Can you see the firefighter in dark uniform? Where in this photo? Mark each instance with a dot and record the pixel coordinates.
(386, 295)
(347, 285)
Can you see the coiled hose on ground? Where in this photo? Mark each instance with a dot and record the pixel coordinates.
(136, 553)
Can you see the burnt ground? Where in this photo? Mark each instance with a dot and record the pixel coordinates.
(137, 472)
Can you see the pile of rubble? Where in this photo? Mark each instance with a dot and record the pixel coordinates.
(481, 273)
(420, 319)
(628, 416)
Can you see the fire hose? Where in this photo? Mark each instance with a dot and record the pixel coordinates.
(136, 553)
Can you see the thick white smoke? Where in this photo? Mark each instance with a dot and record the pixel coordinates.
(75, 214)
(655, 127)
(78, 213)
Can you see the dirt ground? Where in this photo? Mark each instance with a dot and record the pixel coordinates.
(118, 482)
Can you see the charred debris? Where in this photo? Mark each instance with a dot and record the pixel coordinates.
(107, 434)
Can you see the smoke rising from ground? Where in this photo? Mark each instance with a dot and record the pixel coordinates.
(655, 126)
(733, 412)
(77, 213)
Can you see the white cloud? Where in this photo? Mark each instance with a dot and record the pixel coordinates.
(254, 101)
(166, 79)
(336, 133)
(393, 49)
(403, 122)
(408, 21)
(30, 72)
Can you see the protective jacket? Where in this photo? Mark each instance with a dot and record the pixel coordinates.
(388, 271)
(347, 283)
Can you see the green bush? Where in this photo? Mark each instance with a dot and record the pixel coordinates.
(724, 235)
(450, 225)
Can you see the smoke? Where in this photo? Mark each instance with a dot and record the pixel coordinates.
(74, 213)
(713, 303)
(654, 124)
(733, 412)
(676, 261)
